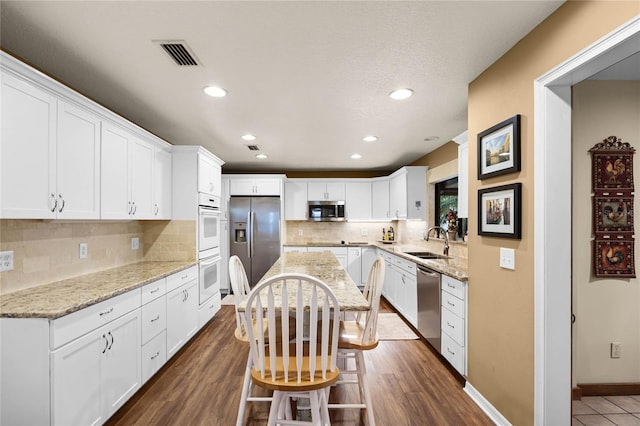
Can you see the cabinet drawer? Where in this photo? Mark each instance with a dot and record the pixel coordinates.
(453, 326)
(454, 353)
(454, 304)
(176, 280)
(154, 290)
(154, 355)
(406, 265)
(209, 309)
(154, 318)
(74, 325)
(453, 286)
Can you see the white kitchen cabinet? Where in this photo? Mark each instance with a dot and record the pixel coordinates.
(127, 175)
(389, 287)
(453, 323)
(255, 185)
(295, 200)
(380, 199)
(182, 316)
(325, 191)
(354, 264)
(358, 200)
(340, 253)
(225, 286)
(369, 255)
(209, 175)
(92, 376)
(154, 324)
(60, 143)
(401, 286)
(224, 198)
(407, 193)
(162, 172)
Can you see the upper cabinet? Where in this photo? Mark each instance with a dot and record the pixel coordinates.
(408, 192)
(209, 175)
(380, 199)
(66, 157)
(295, 200)
(50, 155)
(325, 191)
(127, 175)
(358, 200)
(243, 185)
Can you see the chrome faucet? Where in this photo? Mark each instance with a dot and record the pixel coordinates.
(445, 249)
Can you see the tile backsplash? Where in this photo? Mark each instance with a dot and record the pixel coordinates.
(48, 251)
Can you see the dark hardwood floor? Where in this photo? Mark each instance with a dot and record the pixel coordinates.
(201, 385)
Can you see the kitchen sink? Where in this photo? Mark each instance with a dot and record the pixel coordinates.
(425, 255)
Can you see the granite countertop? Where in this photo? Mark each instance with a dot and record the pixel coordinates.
(455, 267)
(324, 266)
(60, 298)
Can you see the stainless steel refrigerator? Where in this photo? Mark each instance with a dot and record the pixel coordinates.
(255, 233)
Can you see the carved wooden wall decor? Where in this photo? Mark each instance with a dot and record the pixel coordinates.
(612, 185)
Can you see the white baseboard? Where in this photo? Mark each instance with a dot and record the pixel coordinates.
(485, 405)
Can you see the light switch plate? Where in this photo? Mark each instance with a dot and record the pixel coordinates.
(83, 250)
(6, 260)
(135, 243)
(507, 258)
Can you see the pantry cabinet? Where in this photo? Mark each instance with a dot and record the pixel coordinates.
(61, 145)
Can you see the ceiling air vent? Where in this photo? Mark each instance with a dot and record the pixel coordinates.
(253, 147)
(179, 52)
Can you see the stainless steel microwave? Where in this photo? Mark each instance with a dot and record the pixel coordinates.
(325, 211)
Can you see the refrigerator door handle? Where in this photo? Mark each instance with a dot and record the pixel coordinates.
(253, 219)
(250, 234)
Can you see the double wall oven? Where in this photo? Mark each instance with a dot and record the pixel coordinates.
(209, 246)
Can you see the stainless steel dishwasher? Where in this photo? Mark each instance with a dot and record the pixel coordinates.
(429, 304)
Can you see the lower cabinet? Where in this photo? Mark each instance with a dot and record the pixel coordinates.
(453, 323)
(340, 253)
(182, 316)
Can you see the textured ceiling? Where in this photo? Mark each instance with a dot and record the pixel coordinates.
(309, 79)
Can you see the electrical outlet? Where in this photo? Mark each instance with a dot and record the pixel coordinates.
(300, 233)
(6, 261)
(83, 250)
(364, 233)
(616, 349)
(135, 243)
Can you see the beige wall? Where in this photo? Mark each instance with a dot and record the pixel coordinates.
(501, 302)
(47, 251)
(607, 310)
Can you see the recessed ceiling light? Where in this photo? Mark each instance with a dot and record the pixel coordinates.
(356, 156)
(400, 94)
(261, 156)
(248, 137)
(370, 138)
(216, 92)
(431, 138)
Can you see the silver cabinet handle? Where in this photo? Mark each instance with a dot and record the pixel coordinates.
(62, 206)
(112, 340)
(450, 351)
(130, 208)
(156, 355)
(452, 326)
(135, 208)
(55, 203)
(106, 312)
(450, 304)
(106, 346)
(156, 318)
(157, 209)
(155, 290)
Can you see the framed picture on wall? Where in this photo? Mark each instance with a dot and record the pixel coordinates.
(500, 211)
(499, 149)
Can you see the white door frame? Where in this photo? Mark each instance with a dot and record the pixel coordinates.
(552, 193)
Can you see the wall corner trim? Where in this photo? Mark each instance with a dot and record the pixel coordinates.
(485, 405)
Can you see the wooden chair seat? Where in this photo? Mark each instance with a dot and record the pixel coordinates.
(241, 335)
(292, 384)
(352, 336)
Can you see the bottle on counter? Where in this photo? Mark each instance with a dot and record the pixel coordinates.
(390, 233)
(384, 234)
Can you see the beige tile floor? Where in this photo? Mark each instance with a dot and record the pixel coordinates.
(606, 411)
